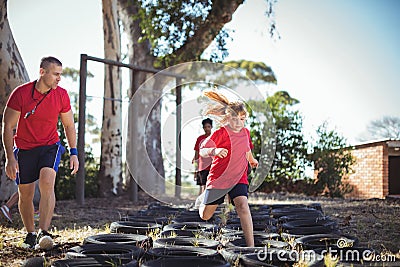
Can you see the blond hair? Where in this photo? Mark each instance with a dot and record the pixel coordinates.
(223, 107)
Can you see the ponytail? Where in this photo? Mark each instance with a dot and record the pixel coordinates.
(223, 107)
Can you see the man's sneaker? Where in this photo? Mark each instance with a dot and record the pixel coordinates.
(44, 240)
(30, 241)
(6, 212)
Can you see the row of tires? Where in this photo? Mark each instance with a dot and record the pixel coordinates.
(170, 236)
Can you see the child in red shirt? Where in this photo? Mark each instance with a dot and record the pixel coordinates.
(230, 149)
(202, 165)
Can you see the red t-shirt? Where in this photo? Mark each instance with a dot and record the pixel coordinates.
(231, 170)
(40, 128)
(204, 163)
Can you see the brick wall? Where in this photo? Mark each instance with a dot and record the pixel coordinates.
(370, 171)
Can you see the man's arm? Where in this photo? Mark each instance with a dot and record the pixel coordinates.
(10, 120)
(67, 119)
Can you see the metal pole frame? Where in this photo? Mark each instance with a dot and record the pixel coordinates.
(80, 178)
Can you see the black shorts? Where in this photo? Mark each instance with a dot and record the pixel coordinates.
(217, 196)
(31, 161)
(201, 178)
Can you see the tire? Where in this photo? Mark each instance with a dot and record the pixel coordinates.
(256, 218)
(121, 239)
(308, 227)
(144, 218)
(186, 262)
(139, 228)
(279, 257)
(240, 235)
(233, 254)
(32, 262)
(193, 227)
(300, 216)
(287, 206)
(326, 222)
(277, 213)
(186, 242)
(260, 238)
(259, 243)
(178, 252)
(132, 263)
(259, 207)
(191, 218)
(321, 241)
(256, 227)
(84, 262)
(113, 251)
(175, 233)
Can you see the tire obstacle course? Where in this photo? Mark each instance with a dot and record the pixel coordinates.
(285, 235)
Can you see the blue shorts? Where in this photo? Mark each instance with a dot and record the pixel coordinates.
(31, 161)
(217, 196)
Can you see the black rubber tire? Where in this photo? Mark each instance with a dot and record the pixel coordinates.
(145, 218)
(233, 254)
(132, 263)
(113, 251)
(82, 262)
(279, 257)
(257, 234)
(266, 219)
(287, 206)
(139, 228)
(191, 218)
(309, 227)
(259, 207)
(319, 241)
(256, 227)
(186, 242)
(300, 216)
(175, 233)
(122, 239)
(186, 262)
(193, 227)
(277, 213)
(34, 262)
(258, 242)
(326, 221)
(178, 252)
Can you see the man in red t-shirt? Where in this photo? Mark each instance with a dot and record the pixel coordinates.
(34, 108)
(202, 165)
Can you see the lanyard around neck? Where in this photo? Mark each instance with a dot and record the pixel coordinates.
(40, 101)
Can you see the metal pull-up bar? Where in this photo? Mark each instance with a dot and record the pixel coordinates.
(80, 179)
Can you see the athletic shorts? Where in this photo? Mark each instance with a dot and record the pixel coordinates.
(31, 161)
(201, 178)
(217, 196)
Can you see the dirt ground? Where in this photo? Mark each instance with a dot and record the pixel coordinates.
(374, 222)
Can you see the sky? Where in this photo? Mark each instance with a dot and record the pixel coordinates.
(339, 58)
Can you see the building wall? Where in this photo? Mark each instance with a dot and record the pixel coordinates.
(370, 175)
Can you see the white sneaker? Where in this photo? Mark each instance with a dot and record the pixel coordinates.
(199, 200)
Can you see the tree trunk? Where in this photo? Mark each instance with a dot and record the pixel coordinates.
(12, 74)
(144, 130)
(110, 175)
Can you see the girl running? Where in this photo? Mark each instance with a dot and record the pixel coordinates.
(230, 148)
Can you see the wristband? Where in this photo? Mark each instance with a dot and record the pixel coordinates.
(212, 152)
(73, 151)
